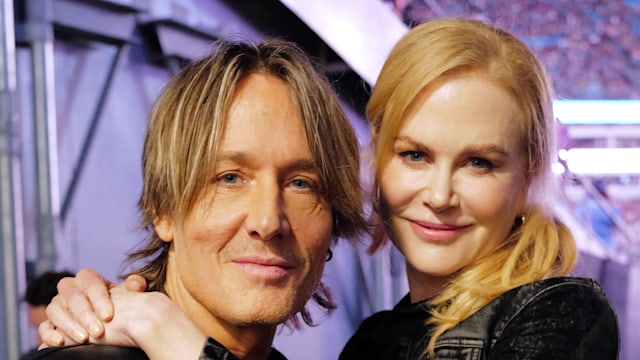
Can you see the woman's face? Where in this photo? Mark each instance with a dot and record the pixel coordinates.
(455, 181)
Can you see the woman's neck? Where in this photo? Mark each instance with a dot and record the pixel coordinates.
(422, 287)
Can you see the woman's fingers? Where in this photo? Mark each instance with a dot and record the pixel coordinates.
(135, 283)
(49, 335)
(62, 322)
(95, 288)
(82, 308)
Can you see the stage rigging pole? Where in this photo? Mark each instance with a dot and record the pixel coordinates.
(9, 173)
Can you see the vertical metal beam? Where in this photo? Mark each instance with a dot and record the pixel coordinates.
(93, 126)
(40, 36)
(9, 333)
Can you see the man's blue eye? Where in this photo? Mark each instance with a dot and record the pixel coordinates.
(230, 178)
(300, 184)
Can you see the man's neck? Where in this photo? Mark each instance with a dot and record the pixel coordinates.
(247, 342)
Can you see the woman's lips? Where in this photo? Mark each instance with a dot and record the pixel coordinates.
(436, 232)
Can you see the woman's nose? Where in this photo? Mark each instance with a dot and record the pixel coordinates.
(438, 192)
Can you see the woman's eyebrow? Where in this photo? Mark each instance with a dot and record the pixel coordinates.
(410, 141)
(486, 149)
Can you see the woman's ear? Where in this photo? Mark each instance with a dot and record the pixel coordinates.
(523, 199)
(164, 228)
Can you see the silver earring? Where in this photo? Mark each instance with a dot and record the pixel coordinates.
(329, 255)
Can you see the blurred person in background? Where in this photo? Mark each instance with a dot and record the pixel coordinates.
(597, 211)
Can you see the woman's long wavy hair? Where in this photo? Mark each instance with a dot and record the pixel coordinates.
(187, 123)
(542, 247)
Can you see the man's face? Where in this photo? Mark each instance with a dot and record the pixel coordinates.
(252, 250)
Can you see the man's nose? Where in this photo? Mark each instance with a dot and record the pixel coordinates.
(266, 218)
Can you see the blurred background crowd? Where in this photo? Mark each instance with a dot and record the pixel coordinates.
(591, 48)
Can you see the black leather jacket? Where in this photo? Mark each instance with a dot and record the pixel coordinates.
(559, 318)
(212, 350)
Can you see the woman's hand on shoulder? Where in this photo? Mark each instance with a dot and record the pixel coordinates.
(142, 320)
(82, 307)
(89, 308)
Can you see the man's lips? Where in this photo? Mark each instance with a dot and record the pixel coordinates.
(436, 232)
(265, 268)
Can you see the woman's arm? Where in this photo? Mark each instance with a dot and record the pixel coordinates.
(81, 308)
(127, 318)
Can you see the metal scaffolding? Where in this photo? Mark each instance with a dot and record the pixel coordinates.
(36, 28)
(10, 343)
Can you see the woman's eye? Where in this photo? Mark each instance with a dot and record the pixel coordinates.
(481, 163)
(412, 155)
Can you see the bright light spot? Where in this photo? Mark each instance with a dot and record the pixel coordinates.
(563, 154)
(597, 111)
(557, 168)
(604, 161)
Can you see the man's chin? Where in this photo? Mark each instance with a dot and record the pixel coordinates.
(266, 315)
(264, 320)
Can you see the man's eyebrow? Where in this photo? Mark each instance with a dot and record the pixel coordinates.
(239, 157)
(303, 164)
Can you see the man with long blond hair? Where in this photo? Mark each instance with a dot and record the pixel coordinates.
(250, 172)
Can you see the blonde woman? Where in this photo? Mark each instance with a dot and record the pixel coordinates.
(463, 143)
